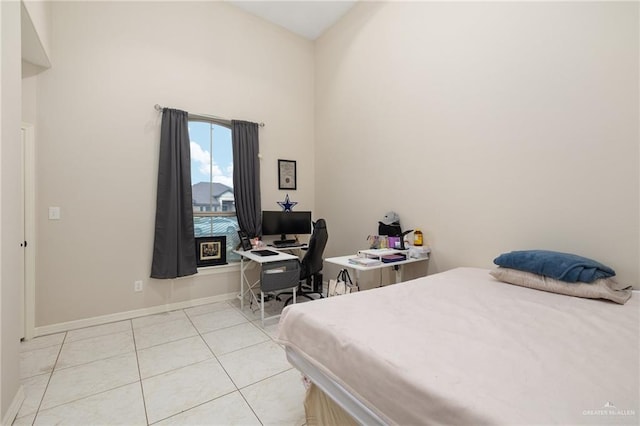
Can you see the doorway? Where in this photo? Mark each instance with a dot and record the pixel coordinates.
(28, 213)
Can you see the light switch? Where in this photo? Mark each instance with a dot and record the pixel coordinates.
(54, 213)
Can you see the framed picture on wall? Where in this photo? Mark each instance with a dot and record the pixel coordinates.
(211, 251)
(286, 174)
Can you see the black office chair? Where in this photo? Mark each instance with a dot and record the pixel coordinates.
(311, 264)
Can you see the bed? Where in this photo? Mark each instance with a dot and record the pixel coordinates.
(460, 347)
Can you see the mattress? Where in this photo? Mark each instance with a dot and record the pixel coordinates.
(460, 347)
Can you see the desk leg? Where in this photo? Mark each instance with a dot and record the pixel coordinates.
(242, 278)
(398, 269)
(357, 276)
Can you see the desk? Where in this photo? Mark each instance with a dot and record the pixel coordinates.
(343, 261)
(246, 258)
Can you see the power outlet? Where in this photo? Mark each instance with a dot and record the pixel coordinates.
(137, 286)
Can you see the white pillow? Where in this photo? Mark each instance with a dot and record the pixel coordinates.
(604, 288)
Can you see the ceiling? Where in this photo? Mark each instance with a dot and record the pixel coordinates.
(306, 18)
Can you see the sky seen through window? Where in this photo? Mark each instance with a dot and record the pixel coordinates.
(211, 153)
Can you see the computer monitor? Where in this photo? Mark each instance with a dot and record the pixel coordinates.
(286, 223)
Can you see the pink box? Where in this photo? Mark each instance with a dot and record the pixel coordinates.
(394, 242)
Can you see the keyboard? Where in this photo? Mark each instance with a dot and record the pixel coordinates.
(285, 243)
(290, 245)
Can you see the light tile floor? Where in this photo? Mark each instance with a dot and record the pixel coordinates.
(208, 365)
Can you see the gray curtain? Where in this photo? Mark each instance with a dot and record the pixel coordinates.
(246, 176)
(174, 253)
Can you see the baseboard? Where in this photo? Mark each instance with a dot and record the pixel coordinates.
(121, 316)
(12, 412)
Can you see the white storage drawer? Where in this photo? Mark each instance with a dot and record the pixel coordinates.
(280, 275)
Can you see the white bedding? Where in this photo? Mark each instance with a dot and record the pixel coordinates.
(462, 348)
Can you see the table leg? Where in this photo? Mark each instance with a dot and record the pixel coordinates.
(357, 276)
(398, 269)
(242, 278)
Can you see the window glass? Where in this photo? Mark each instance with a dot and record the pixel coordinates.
(212, 183)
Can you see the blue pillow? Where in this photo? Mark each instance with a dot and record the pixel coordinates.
(560, 266)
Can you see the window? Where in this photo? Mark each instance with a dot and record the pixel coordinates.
(212, 182)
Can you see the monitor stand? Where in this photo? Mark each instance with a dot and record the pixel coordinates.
(283, 241)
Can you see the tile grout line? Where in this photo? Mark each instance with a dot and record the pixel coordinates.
(166, 343)
(97, 335)
(98, 360)
(87, 396)
(199, 335)
(225, 370)
(94, 360)
(135, 350)
(66, 368)
(271, 339)
(266, 378)
(253, 312)
(247, 319)
(53, 369)
(195, 406)
(157, 323)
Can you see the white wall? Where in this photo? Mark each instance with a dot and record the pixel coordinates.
(39, 13)
(10, 209)
(35, 32)
(491, 126)
(98, 134)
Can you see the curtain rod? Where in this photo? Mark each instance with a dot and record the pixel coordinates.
(159, 108)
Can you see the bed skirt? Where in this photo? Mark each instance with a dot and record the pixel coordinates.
(320, 410)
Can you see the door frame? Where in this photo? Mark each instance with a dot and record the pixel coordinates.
(29, 191)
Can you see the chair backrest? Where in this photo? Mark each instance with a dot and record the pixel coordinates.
(312, 260)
